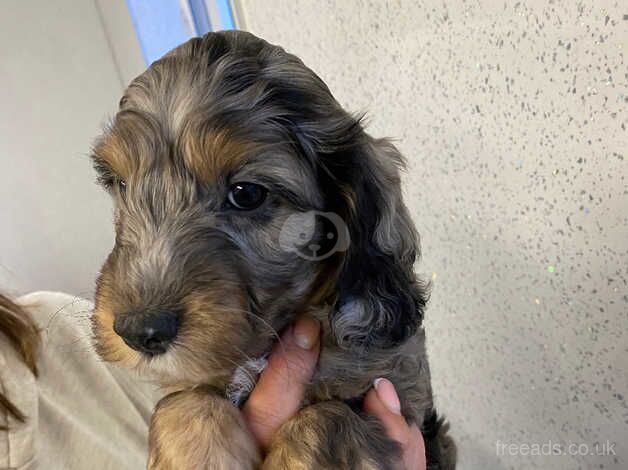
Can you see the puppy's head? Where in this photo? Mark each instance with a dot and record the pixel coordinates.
(243, 195)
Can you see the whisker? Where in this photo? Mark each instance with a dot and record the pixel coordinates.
(272, 330)
(243, 369)
(75, 300)
(246, 356)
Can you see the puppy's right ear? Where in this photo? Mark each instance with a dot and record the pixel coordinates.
(380, 301)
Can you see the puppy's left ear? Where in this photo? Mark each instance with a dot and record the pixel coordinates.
(380, 301)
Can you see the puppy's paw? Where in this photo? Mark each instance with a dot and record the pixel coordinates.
(329, 435)
(196, 429)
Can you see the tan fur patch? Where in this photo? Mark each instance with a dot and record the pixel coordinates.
(195, 429)
(215, 154)
(107, 343)
(324, 435)
(133, 142)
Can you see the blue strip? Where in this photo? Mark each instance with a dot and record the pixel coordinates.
(159, 25)
(226, 15)
(201, 20)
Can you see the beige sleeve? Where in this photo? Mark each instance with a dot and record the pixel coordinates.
(83, 413)
(17, 444)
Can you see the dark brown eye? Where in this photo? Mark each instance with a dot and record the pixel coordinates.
(246, 196)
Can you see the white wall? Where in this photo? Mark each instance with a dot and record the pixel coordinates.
(58, 82)
(512, 116)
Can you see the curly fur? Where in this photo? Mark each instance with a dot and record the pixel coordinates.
(229, 107)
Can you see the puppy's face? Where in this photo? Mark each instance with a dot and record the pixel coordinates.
(199, 279)
(219, 153)
(204, 270)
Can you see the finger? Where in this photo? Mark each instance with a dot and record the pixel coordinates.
(382, 401)
(279, 391)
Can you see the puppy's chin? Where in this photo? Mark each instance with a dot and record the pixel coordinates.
(173, 370)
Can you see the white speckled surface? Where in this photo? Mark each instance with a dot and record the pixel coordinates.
(513, 118)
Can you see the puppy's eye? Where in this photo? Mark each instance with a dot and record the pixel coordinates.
(246, 196)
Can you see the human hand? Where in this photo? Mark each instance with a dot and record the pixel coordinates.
(279, 391)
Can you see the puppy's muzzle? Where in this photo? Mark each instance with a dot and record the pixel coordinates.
(150, 333)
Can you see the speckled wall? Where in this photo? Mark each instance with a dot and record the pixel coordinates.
(513, 118)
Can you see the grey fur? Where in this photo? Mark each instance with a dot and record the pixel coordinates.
(227, 108)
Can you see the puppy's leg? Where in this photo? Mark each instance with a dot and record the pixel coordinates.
(196, 429)
(329, 435)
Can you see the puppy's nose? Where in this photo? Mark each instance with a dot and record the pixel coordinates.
(150, 333)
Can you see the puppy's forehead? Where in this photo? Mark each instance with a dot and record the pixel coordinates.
(217, 123)
(212, 155)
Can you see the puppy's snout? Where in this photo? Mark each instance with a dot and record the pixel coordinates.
(150, 333)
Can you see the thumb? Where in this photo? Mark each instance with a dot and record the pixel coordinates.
(383, 402)
(279, 391)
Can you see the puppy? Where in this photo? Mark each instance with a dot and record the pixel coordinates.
(244, 194)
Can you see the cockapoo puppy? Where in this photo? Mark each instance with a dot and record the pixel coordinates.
(244, 194)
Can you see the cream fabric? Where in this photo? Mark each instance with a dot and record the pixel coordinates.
(83, 413)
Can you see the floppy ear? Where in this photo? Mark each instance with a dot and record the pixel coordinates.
(380, 301)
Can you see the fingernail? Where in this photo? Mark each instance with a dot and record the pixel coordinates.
(386, 393)
(306, 332)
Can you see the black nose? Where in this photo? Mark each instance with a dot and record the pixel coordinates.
(150, 333)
